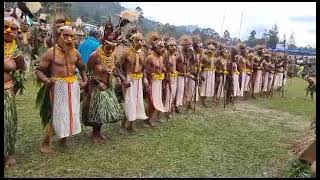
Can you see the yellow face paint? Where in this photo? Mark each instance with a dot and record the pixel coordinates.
(9, 28)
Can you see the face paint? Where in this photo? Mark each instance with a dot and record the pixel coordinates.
(66, 40)
(10, 31)
(172, 47)
(137, 43)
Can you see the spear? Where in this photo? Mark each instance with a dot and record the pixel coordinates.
(224, 14)
(284, 52)
(240, 23)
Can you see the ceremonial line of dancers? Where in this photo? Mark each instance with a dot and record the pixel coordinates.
(124, 71)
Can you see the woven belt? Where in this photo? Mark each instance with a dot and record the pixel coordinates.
(67, 79)
(159, 76)
(136, 76)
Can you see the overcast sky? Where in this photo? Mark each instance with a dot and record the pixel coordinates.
(291, 17)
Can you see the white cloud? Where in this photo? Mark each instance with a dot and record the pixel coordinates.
(258, 15)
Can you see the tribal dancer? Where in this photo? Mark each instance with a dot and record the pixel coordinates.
(257, 71)
(13, 61)
(194, 70)
(186, 54)
(131, 64)
(236, 75)
(78, 32)
(249, 70)
(26, 43)
(266, 70)
(43, 40)
(271, 69)
(311, 86)
(279, 72)
(101, 104)
(155, 74)
(221, 71)
(208, 86)
(232, 76)
(242, 69)
(171, 75)
(57, 70)
(285, 69)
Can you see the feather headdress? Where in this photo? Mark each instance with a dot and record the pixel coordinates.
(34, 7)
(130, 15)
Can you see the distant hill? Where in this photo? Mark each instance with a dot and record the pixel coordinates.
(96, 13)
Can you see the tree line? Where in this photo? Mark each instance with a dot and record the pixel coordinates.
(97, 13)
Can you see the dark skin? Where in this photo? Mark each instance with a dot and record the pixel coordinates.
(62, 64)
(171, 61)
(10, 33)
(154, 64)
(127, 64)
(221, 64)
(10, 65)
(231, 67)
(271, 68)
(257, 60)
(183, 65)
(192, 69)
(101, 79)
(311, 83)
(25, 30)
(249, 66)
(279, 66)
(242, 65)
(171, 65)
(208, 61)
(242, 62)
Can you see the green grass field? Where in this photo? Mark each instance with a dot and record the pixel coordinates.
(250, 139)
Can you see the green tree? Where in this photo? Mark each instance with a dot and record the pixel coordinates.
(252, 41)
(292, 42)
(273, 37)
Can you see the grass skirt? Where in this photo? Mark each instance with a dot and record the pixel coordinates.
(44, 105)
(10, 124)
(104, 108)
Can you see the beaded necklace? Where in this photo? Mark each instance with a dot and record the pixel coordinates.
(106, 60)
(9, 48)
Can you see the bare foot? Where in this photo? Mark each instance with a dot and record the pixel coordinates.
(10, 162)
(102, 138)
(148, 123)
(46, 149)
(95, 139)
(63, 142)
